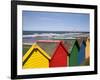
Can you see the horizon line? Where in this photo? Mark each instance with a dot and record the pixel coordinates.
(57, 31)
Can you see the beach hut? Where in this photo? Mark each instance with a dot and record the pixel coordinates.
(87, 50)
(35, 58)
(73, 48)
(81, 53)
(56, 50)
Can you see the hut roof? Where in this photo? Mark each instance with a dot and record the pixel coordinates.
(80, 41)
(88, 38)
(69, 43)
(82, 38)
(49, 46)
(33, 48)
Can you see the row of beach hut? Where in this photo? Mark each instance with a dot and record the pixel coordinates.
(57, 53)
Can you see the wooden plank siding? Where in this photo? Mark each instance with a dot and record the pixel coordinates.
(59, 58)
(35, 58)
(81, 54)
(56, 50)
(87, 50)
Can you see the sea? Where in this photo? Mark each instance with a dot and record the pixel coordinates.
(32, 36)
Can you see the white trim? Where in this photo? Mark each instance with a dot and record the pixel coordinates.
(52, 70)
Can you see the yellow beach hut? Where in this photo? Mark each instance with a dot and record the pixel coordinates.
(35, 57)
(87, 50)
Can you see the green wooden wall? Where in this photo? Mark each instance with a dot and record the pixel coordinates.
(73, 56)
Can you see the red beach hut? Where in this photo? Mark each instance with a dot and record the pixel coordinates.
(56, 50)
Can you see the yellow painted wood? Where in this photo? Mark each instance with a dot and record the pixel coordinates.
(37, 60)
(67, 60)
(87, 50)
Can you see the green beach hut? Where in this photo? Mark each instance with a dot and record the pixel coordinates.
(73, 48)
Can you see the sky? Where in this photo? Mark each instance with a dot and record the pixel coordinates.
(55, 21)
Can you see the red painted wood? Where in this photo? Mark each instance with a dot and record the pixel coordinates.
(59, 59)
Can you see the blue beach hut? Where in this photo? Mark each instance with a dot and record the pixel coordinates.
(81, 53)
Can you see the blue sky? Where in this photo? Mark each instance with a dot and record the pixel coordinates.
(54, 21)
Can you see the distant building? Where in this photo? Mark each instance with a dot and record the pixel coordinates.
(56, 50)
(35, 57)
